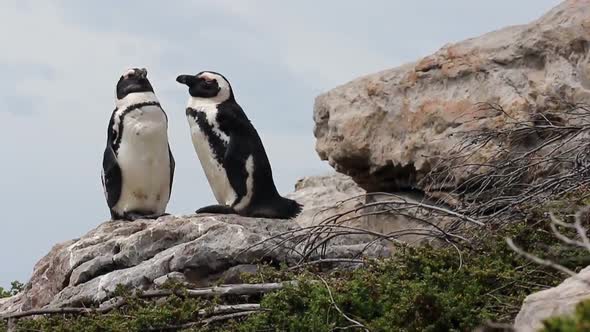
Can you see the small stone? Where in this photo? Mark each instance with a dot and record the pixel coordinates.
(556, 301)
(172, 276)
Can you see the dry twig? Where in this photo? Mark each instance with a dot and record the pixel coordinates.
(581, 232)
(223, 290)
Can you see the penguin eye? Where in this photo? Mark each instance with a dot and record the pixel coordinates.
(208, 83)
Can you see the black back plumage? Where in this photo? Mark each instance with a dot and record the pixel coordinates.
(245, 141)
(111, 179)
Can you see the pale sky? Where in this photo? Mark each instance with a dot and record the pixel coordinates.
(60, 61)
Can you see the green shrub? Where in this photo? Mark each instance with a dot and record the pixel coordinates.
(15, 287)
(579, 321)
(417, 289)
(137, 315)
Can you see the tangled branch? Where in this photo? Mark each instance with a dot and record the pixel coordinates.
(223, 290)
(495, 171)
(491, 176)
(583, 242)
(312, 243)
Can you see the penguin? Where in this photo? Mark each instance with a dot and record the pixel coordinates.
(231, 152)
(138, 166)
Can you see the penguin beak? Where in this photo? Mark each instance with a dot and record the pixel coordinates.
(186, 80)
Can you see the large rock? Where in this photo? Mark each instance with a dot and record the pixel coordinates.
(387, 130)
(322, 197)
(204, 249)
(336, 194)
(554, 301)
(198, 249)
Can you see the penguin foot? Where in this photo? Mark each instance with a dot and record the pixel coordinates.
(217, 209)
(132, 216)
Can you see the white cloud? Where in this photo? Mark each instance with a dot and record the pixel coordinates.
(307, 46)
(83, 61)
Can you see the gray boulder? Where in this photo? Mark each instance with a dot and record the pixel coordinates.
(321, 196)
(195, 249)
(336, 194)
(556, 301)
(388, 129)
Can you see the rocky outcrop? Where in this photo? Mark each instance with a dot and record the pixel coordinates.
(338, 195)
(559, 300)
(321, 194)
(387, 130)
(196, 249)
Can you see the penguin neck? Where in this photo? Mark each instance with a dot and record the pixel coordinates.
(198, 102)
(136, 98)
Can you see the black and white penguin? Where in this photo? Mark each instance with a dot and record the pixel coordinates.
(137, 166)
(231, 152)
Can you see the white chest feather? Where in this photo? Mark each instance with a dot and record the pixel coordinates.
(214, 171)
(144, 161)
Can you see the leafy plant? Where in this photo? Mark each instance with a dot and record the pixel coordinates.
(579, 321)
(15, 288)
(418, 289)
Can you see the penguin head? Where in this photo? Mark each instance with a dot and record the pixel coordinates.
(207, 84)
(133, 80)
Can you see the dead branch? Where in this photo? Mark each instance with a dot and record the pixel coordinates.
(217, 314)
(203, 322)
(580, 229)
(227, 317)
(327, 261)
(539, 260)
(228, 309)
(310, 241)
(224, 290)
(581, 232)
(57, 311)
(409, 205)
(527, 162)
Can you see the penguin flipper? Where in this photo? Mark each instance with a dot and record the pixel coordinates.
(172, 167)
(231, 118)
(217, 209)
(234, 162)
(111, 177)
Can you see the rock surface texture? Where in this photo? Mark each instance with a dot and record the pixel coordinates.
(387, 130)
(319, 194)
(559, 300)
(198, 249)
(336, 194)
